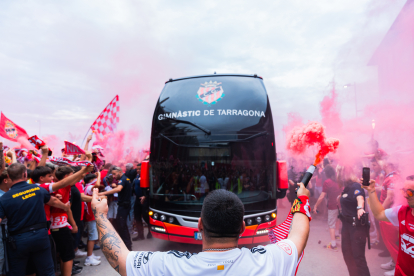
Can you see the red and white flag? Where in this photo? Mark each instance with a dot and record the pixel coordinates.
(10, 130)
(107, 120)
(62, 161)
(36, 142)
(72, 149)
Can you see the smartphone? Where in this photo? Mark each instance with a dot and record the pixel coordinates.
(366, 175)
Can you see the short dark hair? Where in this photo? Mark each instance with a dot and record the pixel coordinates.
(16, 171)
(116, 169)
(76, 169)
(330, 172)
(3, 175)
(326, 162)
(29, 173)
(51, 166)
(63, 171)
(222, 215)
(89, 177)
(39, 172)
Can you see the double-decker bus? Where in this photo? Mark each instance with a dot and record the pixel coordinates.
(212, 132)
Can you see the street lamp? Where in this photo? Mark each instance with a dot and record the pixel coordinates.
(354, 85)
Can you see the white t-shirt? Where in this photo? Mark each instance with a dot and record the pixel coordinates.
(392, 215)
(273, 259)
(203, 185)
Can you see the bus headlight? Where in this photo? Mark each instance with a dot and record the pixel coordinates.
(163, 217)
(150, 213)
(171, 220)
(267, 218)
(259, 220)
(274, 215)
(158, 229)
(262, 232)
(249, 221)
(155, 216)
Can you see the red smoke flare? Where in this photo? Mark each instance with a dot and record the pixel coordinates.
(302, 137)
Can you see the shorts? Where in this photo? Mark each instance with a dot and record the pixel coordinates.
(113, 209)
(92, 230)
(332, 218)
(64, 243)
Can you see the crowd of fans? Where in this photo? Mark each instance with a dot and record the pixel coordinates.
(70, 217)
(333, 182)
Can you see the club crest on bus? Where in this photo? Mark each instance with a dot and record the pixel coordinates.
(210, 92)
(10, 130)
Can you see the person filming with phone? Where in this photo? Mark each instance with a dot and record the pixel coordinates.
(401, 216)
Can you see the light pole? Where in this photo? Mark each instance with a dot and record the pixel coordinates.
(354, 85)
(39, 126)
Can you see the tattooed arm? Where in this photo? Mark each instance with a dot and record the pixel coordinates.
(111, 244)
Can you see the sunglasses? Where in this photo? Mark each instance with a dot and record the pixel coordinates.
(408, 192)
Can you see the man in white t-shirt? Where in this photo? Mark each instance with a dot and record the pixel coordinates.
(403, 217)
(221, 224)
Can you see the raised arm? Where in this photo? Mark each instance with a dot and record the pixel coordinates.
(111, 244)
(12, 155)
(87, 142)
(299, 231)
(376, 207)
(73, 179)
(45, 151)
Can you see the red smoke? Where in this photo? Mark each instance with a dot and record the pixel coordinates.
(313, 133)
(121, 147)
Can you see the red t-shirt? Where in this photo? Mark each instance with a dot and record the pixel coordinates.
(59, 217)
(389, 183)
(48, 187)
(104, 173)
(331, 188)
(80, 188)
(405, 264)
(89, 192)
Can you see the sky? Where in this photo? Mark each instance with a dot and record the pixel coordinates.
(61, 62)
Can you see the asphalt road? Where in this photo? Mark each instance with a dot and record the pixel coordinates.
(317, 260)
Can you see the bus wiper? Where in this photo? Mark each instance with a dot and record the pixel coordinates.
(180, 145)
(237, 140)
(203, 129)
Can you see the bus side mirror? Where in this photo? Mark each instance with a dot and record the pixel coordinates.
(144, 183)
(282, 175)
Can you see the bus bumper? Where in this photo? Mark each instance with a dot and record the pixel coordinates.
(181, 234)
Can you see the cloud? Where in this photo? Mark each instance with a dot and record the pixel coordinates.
(62, 63)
